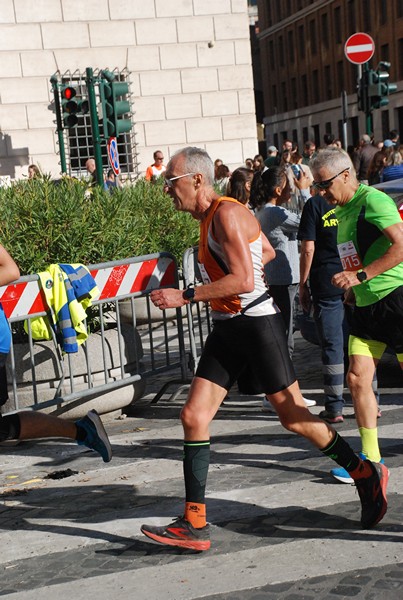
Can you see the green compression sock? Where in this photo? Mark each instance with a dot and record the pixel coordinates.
(339, 451)
(196, 461)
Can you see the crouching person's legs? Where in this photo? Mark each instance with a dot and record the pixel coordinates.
(28, 425)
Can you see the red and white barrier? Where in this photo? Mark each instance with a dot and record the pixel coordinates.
(25, 298)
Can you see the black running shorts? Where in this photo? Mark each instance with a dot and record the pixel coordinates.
(259, 342)
(382, 321)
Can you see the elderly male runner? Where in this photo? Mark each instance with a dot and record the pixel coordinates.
(232, 251)
(370, 244)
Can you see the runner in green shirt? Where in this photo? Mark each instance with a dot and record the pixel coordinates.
(361, 241)
(370, 244)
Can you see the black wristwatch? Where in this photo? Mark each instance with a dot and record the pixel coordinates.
(189, 294)
(361, 275)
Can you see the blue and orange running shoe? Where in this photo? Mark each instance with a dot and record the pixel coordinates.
(180, 533)
(344, 476)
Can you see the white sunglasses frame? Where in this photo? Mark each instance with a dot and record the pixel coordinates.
(168, 181)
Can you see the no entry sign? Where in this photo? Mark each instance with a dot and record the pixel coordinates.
(359, 48)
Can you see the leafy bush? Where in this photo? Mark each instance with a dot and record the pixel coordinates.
(44, 223)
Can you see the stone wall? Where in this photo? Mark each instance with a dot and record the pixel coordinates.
(190, 64)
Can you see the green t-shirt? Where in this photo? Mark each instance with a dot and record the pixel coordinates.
(360, 241)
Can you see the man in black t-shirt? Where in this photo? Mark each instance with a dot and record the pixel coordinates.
(319, 261)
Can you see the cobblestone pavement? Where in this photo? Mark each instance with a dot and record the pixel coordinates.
(282, 528)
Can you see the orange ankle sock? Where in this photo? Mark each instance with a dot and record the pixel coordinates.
(363, 470)
(196, 514)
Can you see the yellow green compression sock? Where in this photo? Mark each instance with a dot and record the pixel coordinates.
(369, 442)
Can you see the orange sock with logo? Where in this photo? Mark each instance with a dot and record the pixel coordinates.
(196, 514)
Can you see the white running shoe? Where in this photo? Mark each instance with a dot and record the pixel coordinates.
(269, 408)
(309, 402)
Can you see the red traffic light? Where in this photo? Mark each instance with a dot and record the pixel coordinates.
(68, 92)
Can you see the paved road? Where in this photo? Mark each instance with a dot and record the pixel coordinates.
(281, 527)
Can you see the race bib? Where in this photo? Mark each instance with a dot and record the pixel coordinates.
(203, 273)
(349, 256)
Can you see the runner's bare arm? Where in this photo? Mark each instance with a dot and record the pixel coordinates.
(233, 228)
(8, 269)
(305, 263)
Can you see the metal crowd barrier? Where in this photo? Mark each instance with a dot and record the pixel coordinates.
(123, 350)
(198, 315)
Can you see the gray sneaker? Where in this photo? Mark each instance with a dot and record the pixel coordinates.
(96, 438)
(331, 417)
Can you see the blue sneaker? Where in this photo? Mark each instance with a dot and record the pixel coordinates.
(96, 438)
(344, 476)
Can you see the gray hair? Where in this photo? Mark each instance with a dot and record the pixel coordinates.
(334, 159)
(197, 161)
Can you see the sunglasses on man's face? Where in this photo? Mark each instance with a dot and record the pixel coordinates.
(324, 185)
(169, 181)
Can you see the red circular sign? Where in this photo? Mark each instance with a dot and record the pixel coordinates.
(359, 48)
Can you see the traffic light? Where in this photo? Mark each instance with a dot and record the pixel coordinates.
(378, 86)
(72, 106)
(385, 87)
(114, 107)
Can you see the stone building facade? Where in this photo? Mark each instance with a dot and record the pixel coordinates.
(190, 65)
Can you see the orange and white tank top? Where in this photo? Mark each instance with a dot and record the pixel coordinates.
(157, 171)
(153, 172)
(213, 267)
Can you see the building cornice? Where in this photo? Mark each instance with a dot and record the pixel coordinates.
(313, 8)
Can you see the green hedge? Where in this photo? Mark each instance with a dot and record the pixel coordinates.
(44, 223)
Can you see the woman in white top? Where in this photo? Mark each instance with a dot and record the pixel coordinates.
(270, 191)
(270, 197)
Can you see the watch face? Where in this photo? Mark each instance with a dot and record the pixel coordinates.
(189, 294)
(361, 276)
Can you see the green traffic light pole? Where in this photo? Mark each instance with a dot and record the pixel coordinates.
(59, 123)
(94, 124)
(369, 122)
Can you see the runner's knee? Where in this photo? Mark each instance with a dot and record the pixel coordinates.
(193, 419)
(359, 380)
